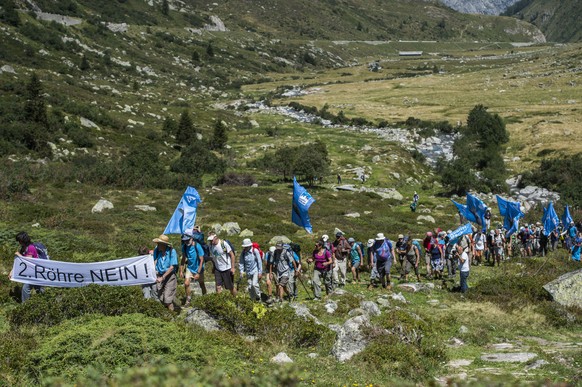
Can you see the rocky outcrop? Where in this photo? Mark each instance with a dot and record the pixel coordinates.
(101, 205)
(350, 339)
(202, 319)
(483, 7)
(231, 228)
(566, 290)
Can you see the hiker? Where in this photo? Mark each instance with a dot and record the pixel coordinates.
(374, 277)
(341, 253)
(478, 247)
(450, 256)
(412, 259)
(356, 258)
(251, 264)
(401, 252)
(193, 263)
(543, 242)
(576, 248)
(223, 259)
(294, 271)
(571, 236)
(466, 243)
(426, 244)
(384, 257)
(28, 250)
(464, 268)
(267, 270)
(339, 178)
(166, 261)
(487, 217)
(149, 291)
(415, 199)
(498, 247)
(322, 269)
(554, 238)
(437, 256)
(280, 269)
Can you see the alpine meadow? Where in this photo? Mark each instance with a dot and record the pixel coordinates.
(324, 192)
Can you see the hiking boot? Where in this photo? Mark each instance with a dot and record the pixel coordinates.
(187, 303)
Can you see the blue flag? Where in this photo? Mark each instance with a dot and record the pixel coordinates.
(302, 200)
(566, 217)
(511, 212)
(464, 211)
(459, 232)
(550, 219)
(184, 217)
(477, 208)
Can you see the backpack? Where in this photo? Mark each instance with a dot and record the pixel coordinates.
(417, 244)
(198, 237)
(41, 250)
(361, 246)
(384, 252)
(229, 245)
(257, 247)
(296, 247)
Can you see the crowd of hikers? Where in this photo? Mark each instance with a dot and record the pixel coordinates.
(282, 267)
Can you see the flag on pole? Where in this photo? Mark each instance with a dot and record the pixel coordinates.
(184, 217)
(477, 207)
(302, 200)
(550, 220)
(464, 211)
(511, 212)
(459, 232)
(566, 217)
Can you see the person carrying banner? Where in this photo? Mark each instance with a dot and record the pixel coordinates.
(166, 261)
(223, 259)
(26, 249)
(192, 265)
(250, 264)
(322, 269)
(341, 253)
(384, 257)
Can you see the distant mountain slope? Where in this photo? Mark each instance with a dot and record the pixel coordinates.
(558, 19)
(485, 7)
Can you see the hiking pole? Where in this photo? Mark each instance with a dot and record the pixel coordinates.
(300, 277)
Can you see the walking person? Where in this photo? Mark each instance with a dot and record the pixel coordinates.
(223, 259)
(401, 252)
(166, 262)
(251, 265)
(322, 268)
(464, 268)
(192, 265)
(341, 252)
(427, 245)
(356, 258)
(26, 250)
(478, 246)
(437, 257)
(283, 259)
(269, 256)
(384, 257)
(374, 276)
(412, 259)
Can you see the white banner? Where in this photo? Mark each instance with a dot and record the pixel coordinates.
(121, 272)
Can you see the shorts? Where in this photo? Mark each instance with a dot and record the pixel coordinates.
(356, 264)
(427, 258)
(283, 281)
(190, 275)
(224, 279)
(167, 289)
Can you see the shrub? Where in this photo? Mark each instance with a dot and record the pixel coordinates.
(15, 348)
(238, 179)
(56, 305)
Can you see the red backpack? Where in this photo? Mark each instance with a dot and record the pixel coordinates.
(261, 253)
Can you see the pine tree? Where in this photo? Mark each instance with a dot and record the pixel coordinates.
(165, 7)
(35, 108)
(84, 66)
(170, 126)
(220, 136)
(185, 131)
(10, 14)
(195, 56)
(210, 50)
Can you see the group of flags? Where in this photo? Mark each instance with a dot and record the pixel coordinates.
(184, 217)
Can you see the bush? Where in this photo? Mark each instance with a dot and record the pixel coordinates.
(15, 348)
(237, 179)
(56, 305)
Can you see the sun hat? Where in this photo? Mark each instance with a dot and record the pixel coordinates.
(247, 242)
(279, 245)
(380, 236)
(325, 237)
(272, 249)
(370, 242)
(351, 240)
(163, 239)
(400, 236)
(211, 237)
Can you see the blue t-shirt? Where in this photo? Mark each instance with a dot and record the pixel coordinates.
(163, 262)
(354, 255)
(296, 258)
(572, 231)
(193, 254)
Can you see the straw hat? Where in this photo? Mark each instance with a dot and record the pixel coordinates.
(163, 239)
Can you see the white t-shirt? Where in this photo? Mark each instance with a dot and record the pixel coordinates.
(479, 241)
(464, 266)
(221, 259)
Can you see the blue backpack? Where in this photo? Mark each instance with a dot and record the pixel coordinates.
(41, 250)
(384, 252)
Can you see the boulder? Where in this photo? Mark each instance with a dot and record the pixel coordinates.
(330, 306)
(101, 205)
(426, 218)
(350, 339)
(231, 228)
(511, 357)
(88, 123)
(370, 307)
(279, 238)
(281, 358)
(246, 233)
(565, 290)
(201, 318)
(389, 193)
(398, 297)
(7, 69)
(352, 215)
(144, 207)
(303, 311)
(346, 187)
(216, 227)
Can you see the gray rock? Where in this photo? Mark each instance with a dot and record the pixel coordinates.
(216, 227)
(339, 292)
(396, 175)
(389, 193)
(303, 311)
(144, 207)
(231, 228)
(356, 312)
(88, 123)
(566, 289)
(383, 302)
(272, 200)
(371, 308)
(463, 330)
(101, 205)
(246, 233)
(512, 357)
(279, 238)
(416, 286)
(330, 306)
(254, 123)
(201, 318)
(281, 358)
(350, 339)
(346, 187)
(312, 355)
(426, 218)
(459, 363)
(7, 69)
(537, 364)
(376, 159)
(398, 297)
(352, 215)
(454, 342)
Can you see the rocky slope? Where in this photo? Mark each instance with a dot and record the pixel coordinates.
(485, 7)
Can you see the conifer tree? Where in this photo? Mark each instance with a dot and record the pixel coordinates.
(35, 108)
(186, 130)
(220, 136)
